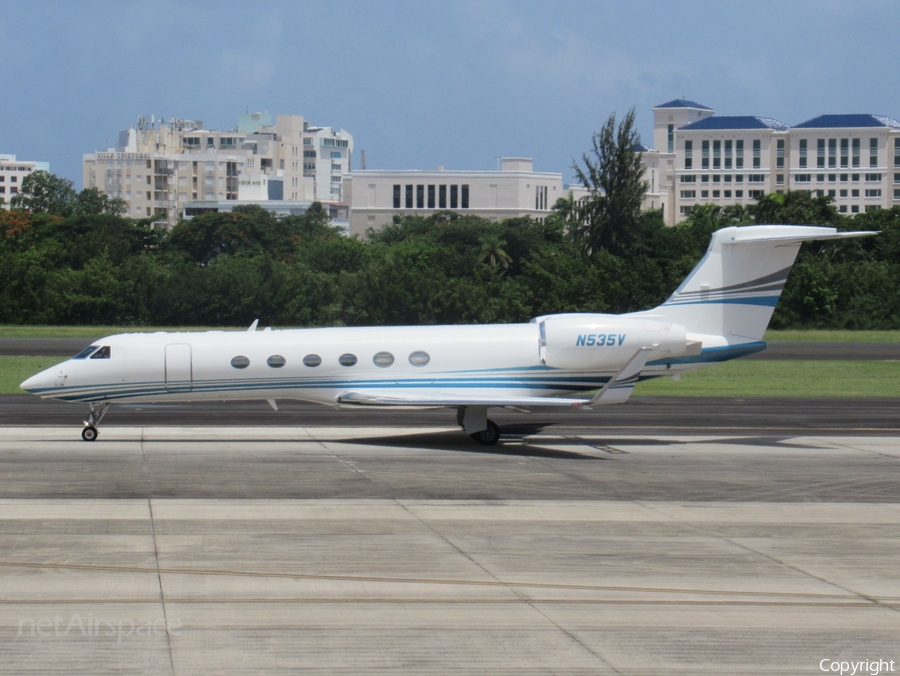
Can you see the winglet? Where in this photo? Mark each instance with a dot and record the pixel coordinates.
(618, 388)
(253, 325)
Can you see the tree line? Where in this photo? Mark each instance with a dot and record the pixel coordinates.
(91, 265)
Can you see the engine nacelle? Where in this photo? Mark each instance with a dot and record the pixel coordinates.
(590, 342)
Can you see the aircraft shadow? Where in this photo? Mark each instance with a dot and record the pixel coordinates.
(513, 442)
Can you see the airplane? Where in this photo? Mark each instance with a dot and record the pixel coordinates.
(576, 360)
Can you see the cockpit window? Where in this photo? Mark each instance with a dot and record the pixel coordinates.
(85, 352)
(102, 353)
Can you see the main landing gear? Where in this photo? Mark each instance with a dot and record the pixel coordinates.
(474, 420)
(89, 433)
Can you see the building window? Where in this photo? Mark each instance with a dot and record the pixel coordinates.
(396, 196)
(843, 208)
(756, 193)
(779, 154)
(854, 192)
(442, 196)
(820, 178)
(873, 152)
(728, 154)
(717, 154)
(420, 197)
(688, 194)
(831, 193)
(431, 197)
(854, 209)
(896, 178)
(845, 153)
(820, 153)
(803, 149)
(897, 152)
(409, 197)
(896, 194)
(832, 153)
(779, 179)
(717, 179)
(690, 178)
(689, 155)
(873, 192)
(832, 178)
(738, 178)
(843, 192)
(873, 178)
(739, 154)
(715, 194)
(704, 179)
(704, 194)
(465, 196)
(872, 207)
(309, 153)
(454, 197)
(855, 154)
(739, 194)
(685, 209)
(802, 178)
(757, 178)
(727, 194)
(854, 177)
(704, 154)
(757, 153)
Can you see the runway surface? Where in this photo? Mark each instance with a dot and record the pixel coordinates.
(383, 550)
(66, 347)
(657, 415)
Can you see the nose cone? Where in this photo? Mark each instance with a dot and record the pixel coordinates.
(41, 382)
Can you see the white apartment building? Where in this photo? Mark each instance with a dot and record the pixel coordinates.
(734, 159)
(515, 190)
(158, 167)
(12, 172)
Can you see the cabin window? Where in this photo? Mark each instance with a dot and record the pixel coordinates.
(312, 360)
(276, 361)
(102, 353)
(383, 359)
(240, 362)
(347, 359)
(419, 358)
(85, 352)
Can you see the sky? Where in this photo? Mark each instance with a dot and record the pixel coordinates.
(421, 84)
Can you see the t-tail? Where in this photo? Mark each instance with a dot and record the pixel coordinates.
(732, 292)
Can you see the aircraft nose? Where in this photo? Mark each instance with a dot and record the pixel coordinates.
(39, 382)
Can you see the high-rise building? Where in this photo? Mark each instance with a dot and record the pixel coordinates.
(12, 173)
(702, 158)
(159, 167)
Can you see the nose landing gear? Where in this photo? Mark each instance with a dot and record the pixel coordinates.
(89, 433)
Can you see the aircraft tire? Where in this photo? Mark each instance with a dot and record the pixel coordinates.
(89, 433)
(488, 437)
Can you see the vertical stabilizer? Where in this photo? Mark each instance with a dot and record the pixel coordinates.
(734, 289)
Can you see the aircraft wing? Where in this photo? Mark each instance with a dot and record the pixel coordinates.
(615, 391)
(406, 398)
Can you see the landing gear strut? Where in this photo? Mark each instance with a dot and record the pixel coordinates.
(89, 433)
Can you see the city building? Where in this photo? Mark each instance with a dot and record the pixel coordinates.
(375, 196)
(12, 172)
(726, 160)
(159, 167)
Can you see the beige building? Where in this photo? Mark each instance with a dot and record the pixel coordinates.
(157, 168)
(12, 173)
(735, 159)
(375, 196)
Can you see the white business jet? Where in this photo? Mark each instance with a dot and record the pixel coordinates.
(568, 360)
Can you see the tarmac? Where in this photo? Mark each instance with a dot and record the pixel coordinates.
(357, 549)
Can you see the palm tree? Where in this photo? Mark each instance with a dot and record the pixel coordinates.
(492, 250)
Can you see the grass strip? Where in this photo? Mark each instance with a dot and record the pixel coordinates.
(832, 336)
(792, 378)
